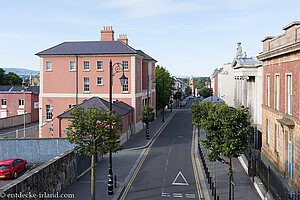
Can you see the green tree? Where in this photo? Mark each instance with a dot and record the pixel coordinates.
(2, 73)
(94, 130)
(10, 78)
(206, 92)
(151, 114)
(177, 96)
(188, 91)
(227, 132)
(163, 86)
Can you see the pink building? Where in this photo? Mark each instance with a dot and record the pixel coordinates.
(13, 102)
(62, 85)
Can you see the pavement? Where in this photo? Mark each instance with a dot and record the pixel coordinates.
(243, 189)
(122, 162)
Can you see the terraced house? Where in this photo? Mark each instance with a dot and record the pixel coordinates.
(280, 110)
(72, 72)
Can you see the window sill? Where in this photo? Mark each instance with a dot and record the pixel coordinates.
(72, 70)
(48, 120)
(126, 70)
(99, 70)
(50, 70)
(99, 84)
(3, 107)
(86, 92)
(87, 70)
(125, 92)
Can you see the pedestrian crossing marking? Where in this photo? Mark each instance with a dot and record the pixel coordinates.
(177, 195)
(180, 183)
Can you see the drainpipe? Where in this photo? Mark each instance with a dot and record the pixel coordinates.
(76, 80)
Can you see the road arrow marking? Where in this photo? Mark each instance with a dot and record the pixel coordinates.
(180, 174)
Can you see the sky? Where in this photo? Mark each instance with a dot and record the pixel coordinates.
(187, 37)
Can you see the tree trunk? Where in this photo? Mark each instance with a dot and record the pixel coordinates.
(93, 177)
(231, 180)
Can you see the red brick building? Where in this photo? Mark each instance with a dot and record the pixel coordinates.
(13, 102)
(280, 109)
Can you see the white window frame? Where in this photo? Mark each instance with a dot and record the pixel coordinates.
(277, 77)
(49, 112)
(86, 84)
(268, 90)
(125, 87)
(72, 66)
(48, 66)
(99, 66)
(289, 95)
(21, 103)
(86, 65)
(125, 65)
(99, 81)
(3, 103)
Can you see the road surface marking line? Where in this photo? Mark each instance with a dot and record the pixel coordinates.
(194, 167)
(191, 196)
(165, 194)
(180, 174)
(144, 157)
(176, 195)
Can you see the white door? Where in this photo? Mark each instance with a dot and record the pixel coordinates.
(3, 113)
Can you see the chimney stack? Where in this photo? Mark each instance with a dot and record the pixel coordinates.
(107, 34)
(123, 38)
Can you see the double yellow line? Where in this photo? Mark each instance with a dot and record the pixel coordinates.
(143, 159)
(200, 195)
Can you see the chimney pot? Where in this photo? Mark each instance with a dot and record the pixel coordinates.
(107, 34)
(123, 38)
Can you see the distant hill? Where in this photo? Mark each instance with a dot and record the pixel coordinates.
(199, 82)
(21, 71)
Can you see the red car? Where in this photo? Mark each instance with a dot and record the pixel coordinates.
(10, 168)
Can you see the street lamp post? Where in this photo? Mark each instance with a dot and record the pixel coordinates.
(24, 89)
(124, 80)
(163, 117)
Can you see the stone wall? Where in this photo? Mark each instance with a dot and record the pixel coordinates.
(14, 121)
(51, 177)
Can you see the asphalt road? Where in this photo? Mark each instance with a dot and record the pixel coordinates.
(4, 182)
(30, 129)
(167, 170)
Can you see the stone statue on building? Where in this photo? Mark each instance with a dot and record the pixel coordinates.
(239, 52)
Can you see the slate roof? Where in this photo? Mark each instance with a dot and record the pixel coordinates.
(18, 89)
(145, 56)
(246, 61)
(96, 102)
(89, 47)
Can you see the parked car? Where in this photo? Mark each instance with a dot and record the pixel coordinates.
(11, 168)
(182, 103)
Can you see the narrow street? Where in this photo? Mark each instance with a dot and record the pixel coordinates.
(168, 169)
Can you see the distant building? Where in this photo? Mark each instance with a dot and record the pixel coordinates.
(226, 83)
(13, 102)
(191, 84)
(35, 81)
(281, 107)
(214, 82)
(72, 72)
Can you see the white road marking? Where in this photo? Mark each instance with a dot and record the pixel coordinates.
(177, 195)
(190, 196)
(179, 174)
(165, 194)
